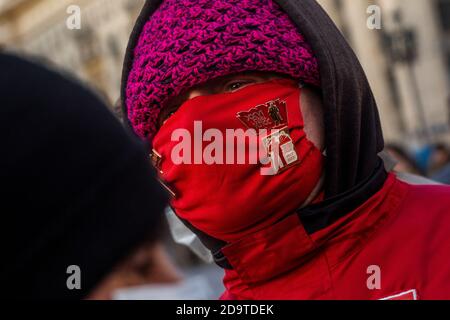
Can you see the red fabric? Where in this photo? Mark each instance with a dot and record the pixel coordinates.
(403, 230)
(223, 200)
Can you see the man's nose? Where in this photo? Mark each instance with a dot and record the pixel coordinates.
(198, 93)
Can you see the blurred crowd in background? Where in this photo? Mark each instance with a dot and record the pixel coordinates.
(407, 62)
(432, 161)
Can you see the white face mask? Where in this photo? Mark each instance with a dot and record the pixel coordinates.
(195, 288)
(182, 235)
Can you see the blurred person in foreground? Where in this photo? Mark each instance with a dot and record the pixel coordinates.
(329, 222)
(77, 192)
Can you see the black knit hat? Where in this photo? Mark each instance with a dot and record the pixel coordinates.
(77, 189)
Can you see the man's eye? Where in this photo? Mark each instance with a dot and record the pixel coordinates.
(236, 85)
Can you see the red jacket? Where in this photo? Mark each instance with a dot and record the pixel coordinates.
(396, 245)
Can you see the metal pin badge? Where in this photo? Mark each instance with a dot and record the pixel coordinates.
(156, 160)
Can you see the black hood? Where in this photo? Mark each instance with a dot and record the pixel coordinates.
(353, 131)
(354, 172)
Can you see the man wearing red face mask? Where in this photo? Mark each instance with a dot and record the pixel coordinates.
(214, 85)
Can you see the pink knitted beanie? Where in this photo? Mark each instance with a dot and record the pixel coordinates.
(188, 42)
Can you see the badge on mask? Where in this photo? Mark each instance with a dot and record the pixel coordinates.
(281, 150)
(279, 146)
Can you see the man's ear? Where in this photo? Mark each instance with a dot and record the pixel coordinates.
(312, 110)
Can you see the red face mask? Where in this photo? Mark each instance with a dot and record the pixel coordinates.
(206, 154)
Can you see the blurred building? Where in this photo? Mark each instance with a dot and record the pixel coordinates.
(412, 89)
(407, 62)
(94, 52)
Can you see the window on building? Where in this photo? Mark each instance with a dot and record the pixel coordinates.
(444, 14)
(443, 11)
(448, 65)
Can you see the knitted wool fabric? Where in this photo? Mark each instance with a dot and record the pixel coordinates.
(188, 42)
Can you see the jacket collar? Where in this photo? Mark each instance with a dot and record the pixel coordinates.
(318, 216)
(287, 246)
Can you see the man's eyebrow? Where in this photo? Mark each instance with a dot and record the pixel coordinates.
(229, 77)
